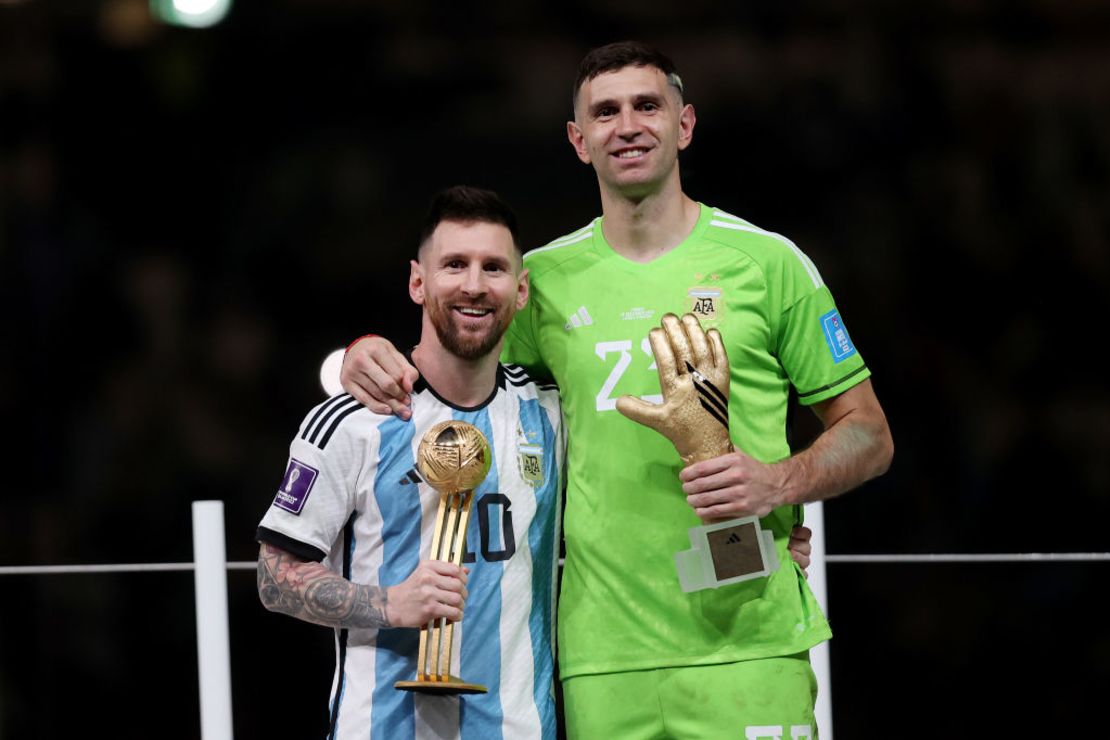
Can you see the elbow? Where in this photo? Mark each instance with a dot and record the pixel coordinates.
(884, 449)
(268, 592)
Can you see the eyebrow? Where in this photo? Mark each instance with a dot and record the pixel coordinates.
(452, 256)
(647, 97)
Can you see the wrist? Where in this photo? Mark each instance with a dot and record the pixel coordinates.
(357, 340)
(388, 607)
(791, 477)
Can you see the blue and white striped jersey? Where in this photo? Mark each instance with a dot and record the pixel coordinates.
(352, 497)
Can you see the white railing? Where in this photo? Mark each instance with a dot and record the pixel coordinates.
(213, 647)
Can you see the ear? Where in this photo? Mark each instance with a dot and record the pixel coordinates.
(578, 141)
(686, 121)
(416, 282)
(522, 289)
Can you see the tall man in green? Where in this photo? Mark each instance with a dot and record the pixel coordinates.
(639, 657)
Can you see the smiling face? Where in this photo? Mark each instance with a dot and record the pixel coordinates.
(470, 281)
(630, 124)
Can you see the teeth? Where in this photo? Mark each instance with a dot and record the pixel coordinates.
(474, 311)
(631, 153)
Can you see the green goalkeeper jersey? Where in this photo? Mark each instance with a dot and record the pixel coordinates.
(585, 326)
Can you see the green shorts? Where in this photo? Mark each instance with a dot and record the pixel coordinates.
(769, 699)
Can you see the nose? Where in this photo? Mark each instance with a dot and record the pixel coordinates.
(474, 282)
(626, 123)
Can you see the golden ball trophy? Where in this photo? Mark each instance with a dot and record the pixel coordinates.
(454, 458)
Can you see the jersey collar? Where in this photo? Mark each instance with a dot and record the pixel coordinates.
(421, 385)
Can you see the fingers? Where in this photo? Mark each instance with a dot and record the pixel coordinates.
(699, 344)
(640, 411)
(680, 343)
(361, 393)
(379, 377)
(800, 548)
(717, 348)
(389, 390)
(436, 589)
(705, 468)
(800, 541)
(398, 374)
(664, 358)
(445, 593)
(449, 570)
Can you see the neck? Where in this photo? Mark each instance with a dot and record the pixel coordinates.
(645, 228)
(465, 383)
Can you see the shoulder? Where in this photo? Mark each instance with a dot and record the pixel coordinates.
(520, 383)
(559, 251)
(338, 418)
(768, 249)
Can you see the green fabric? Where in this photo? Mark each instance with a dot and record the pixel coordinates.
(765, 699)
(586, 327)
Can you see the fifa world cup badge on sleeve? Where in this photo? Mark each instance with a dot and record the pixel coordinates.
(295, 486)
(694, 377)
(454, 457)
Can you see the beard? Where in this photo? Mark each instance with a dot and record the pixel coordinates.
(467, 345)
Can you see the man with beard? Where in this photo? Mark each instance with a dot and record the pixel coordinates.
(345, 541)
(640, 657)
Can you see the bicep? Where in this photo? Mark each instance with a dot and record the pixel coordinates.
(857, 403)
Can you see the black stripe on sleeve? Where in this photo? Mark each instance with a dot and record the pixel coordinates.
(335, 424)
(834, 384)
(301, 549)
(351, 404)
(323, 407)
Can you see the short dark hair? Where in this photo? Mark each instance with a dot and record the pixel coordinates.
(621, 54)
(467, 204)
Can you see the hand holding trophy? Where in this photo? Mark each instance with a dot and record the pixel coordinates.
(454, 458)
(694, 377)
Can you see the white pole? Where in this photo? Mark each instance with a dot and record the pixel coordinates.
(819, 656)
(213, 649)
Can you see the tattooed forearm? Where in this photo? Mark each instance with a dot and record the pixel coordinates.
(311, 592)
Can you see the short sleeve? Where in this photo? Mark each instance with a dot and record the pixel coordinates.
(318, 490)
(520, 346)
(816, 350)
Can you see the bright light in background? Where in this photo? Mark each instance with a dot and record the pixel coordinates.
(329, 373)
(192, 13)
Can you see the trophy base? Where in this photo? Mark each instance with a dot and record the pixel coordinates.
(453, 685)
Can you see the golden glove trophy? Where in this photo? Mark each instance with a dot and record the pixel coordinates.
(453, 457)
(694, 377)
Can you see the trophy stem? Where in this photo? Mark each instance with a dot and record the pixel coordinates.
(452, 454)
(437, 546)
(465, 499)
(445, 551)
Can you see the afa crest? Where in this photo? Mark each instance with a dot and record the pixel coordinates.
(704, 302)
(530, 459)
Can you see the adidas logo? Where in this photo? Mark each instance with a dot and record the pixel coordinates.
(581, 317)
(413, 476)
(733, 539)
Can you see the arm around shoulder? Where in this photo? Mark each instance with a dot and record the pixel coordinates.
(379, 376)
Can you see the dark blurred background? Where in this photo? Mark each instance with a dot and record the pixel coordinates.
(190, 220)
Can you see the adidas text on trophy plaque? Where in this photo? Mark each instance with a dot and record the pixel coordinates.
(453, 457)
